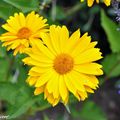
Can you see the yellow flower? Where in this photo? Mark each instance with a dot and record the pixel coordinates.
(22, 30)
(90, 2)
(63, 64)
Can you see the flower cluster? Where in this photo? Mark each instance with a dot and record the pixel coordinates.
(60, 63)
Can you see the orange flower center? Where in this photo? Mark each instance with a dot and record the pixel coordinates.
(24, 33)
(63, 63)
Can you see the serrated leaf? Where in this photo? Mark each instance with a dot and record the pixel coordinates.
(111, 31)
(111, 65)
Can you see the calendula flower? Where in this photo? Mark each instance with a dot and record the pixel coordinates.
(22, 30)
(90, 2)
(63, 64)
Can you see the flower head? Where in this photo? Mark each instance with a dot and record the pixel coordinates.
(63, 64)
(90, 2)
(22, 30)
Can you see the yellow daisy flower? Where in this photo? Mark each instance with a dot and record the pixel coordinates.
(22, 30)
(63, 64)
(90, 2)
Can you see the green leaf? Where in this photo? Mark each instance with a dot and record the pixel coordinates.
(24, 5)
(4, 69)
(23, 105)
(111, 30)
(20, 98)
(2, 52)
(17, 111)
(6, 10)
(90, 111)
(8, 92)
(111, 65)
(9, 7)
(23, 100)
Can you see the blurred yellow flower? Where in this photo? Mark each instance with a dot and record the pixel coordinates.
(22, 30)
(90, 2)
(63, 64)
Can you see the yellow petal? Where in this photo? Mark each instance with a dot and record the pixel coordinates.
(56, 101)
(88, 89)
(32, 80)
(55, 36)
(64, 36)
(30, 19)
(47, 41)
(63, 89)
(107, 2)
(44, 49)
(92, 44)
(50, 99)
(90, 2)
(76, 81)
(22, 19)
(72, 41)
(93, 79)
(56, 87)
(88, 56)
(13, 24)
(39, 70)
(39, 90)
(70, 86)
(87, 81)
(31, 61)
(52, 84)
(9, 28)
(83, 43)
(44, 78)
(83, 95)
(89, 68)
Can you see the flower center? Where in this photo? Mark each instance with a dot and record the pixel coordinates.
(63, 63)
(24, 33)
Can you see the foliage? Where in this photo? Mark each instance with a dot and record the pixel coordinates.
(112, 33)
(86, 113)
(111, 65)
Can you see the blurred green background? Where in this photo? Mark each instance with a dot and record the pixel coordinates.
(16, 97)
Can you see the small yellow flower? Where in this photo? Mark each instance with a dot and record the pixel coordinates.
(90, 2)
(22, 30)
(63, 64)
